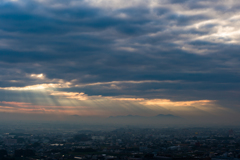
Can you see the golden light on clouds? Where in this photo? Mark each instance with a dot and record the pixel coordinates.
(22, 107)
(185, 107)
(167, 102)
(38, 87)
(125, 99)
(39, 76)
(73, 102)
(59, 83)
(71, 95)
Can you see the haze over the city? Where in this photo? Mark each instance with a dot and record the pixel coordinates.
(123, 61)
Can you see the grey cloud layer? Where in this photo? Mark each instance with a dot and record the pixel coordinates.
(194, 42)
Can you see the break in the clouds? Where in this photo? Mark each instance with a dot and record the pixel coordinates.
(105, 57)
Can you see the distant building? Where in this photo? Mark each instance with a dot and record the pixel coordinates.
(98, 138)
(231, 133)
(10, 142)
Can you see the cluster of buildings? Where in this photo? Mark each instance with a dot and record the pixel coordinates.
(127, 143)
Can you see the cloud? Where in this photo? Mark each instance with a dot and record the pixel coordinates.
(122, 82)
(39, 76)
(39, 86)
(71, 95)
(82, 104)
(29, 108)
(183, 52)
(167, 102)
(59, 83)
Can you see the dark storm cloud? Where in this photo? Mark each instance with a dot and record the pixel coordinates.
(175, 40)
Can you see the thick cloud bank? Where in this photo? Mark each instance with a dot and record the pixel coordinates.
(105, 57)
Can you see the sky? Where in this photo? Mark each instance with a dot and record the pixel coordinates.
(120, 57)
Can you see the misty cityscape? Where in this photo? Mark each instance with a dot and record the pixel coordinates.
(50, 142)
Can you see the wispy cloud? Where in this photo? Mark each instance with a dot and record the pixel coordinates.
(122, 82)
(59, 83)
(71, 95)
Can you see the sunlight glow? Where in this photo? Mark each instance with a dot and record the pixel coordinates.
(167, 102)
(71, 95)
(39, 76)
(37, 87)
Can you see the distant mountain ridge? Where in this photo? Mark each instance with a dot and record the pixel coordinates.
(137, 116)
(166, 116)
(128, 116)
